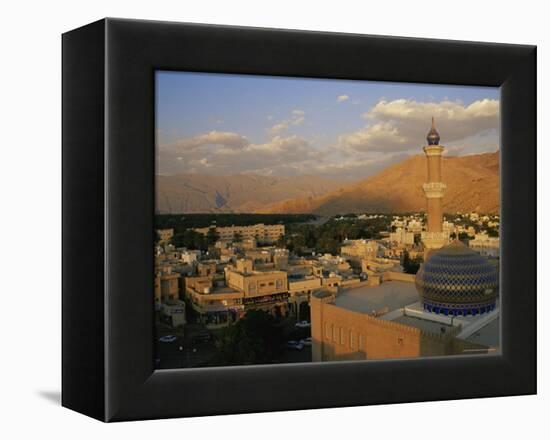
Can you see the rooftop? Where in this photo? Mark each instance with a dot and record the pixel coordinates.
(391, 294)
(423, 324)
(488, 335)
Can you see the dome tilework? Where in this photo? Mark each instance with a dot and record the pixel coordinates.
(458, 281)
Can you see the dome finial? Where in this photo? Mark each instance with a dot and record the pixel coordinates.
(433, 135)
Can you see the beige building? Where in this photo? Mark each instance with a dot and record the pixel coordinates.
(300, 289)
(485, 245)
(260, 232)
(255, 284)
(218, 303)
(359, 249)
(165, 235)
(402, 237)
(173, 312)
(166, 286)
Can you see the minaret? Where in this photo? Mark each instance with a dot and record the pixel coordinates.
(434, 237)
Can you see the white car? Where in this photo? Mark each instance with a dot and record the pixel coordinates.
(294, 345)
(168, 338)
(303, 324)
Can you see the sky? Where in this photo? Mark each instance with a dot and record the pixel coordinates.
(225, 124)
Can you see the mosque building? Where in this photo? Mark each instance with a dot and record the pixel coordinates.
(454, 279)
(449, 307)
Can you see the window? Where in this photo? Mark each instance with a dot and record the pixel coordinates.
(351, 340)
(341, 335)
(327, 331)
(361, 343)
(333, 332)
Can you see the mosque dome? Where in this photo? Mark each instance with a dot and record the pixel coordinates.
(433, 136)
(457, 281)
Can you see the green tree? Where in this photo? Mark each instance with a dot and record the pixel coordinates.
(281, 242)
(411, 265)
(212, 236)
(237, 237)
(254, 339)
(189, 239)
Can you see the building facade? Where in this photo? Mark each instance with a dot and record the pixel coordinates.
(259, 232)
(165, 235)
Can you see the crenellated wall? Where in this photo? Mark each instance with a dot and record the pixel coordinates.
(342, 334)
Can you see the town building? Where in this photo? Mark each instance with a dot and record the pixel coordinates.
(259, 232)
(485, 245)
(165, 235)
(359, 249)
(402, 237)
(173, 313)
(166, 286)
(219, 299)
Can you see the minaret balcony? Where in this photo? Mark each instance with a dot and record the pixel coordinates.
(434, 190)
(435, 240)
(433, 150)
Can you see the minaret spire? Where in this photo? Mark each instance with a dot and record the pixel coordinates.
(433, 136)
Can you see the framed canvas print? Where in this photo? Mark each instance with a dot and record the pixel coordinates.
(261, 220)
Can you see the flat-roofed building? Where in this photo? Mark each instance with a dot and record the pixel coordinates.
(173, 313)
(359, 249)
(166, 285)
(260, 232)
(485, 245)
(300, 288)
(217, 303)
(401, 236)
(165, 235)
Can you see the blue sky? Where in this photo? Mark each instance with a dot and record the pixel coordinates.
(230, 124)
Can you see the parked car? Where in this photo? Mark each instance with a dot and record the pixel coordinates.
(303, 324)
(295, 345)
(168, 338)
(306, 342)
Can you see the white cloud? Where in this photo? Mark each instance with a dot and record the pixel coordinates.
(382, 136)
(225, 138)
(393, 130)
(297, 117)
(402, 125)
(342, 98)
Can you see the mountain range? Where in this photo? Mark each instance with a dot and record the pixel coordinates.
(198, 193)
(472, 185)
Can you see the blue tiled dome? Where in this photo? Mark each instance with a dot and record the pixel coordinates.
(457, 281)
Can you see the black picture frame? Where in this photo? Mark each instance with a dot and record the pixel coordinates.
(108, 206)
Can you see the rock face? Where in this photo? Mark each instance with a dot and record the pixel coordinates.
(473, 184)
(194, 193)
